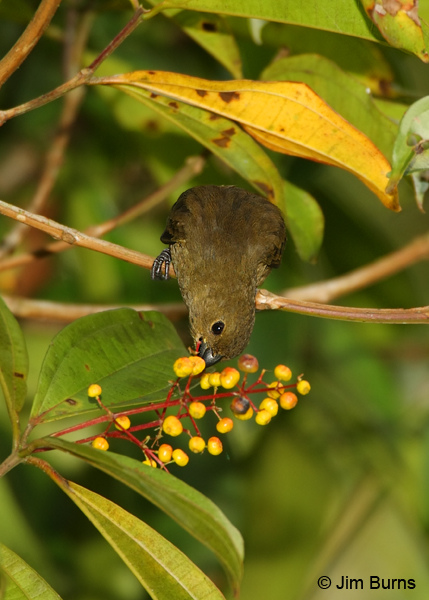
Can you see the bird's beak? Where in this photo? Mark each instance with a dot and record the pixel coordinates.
(207, 355)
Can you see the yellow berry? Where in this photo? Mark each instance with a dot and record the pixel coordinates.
(100, 443)
(172, 426)
(282, 372)
(303, 387)
(198, 364)
(94, 390)
(214, 446)
(270, 405)
(263, 417)
(164, 453)
(204, 381)
(122, 422)
(229, 378)
(150, 462)
(214, 379)
(240, 405)
(247, 415)
(248, 363)
(180, 457)
(274, 393)
(197, 410)
(183, 366)
(196, 444)
(288, 400)
(225, 425)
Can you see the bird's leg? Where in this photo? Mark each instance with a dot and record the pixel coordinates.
(156, 271)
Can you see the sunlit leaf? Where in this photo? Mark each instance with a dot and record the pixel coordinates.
(21, 581)
(130, 354)
(160, 567)
(284, 116)
(13, 360)
(329, 82)
(193, 511)
(399, 24)
(337, 15)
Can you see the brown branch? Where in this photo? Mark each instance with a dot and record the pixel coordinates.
(193, 166)
(55, 155)
(325, 291)
(25, 308)
(267, 301)
(32, 34)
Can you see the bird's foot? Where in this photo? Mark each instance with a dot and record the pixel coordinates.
(156, 271)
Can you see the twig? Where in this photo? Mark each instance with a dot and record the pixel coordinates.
(26, 308)
(193, 166)
(32, 34)
(325, 291)
(84, 74)
(55, 155)
(267, 301)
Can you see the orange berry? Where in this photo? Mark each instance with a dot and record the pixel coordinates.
(274, 393)
(196, 444)
(100, 443)
(270, 405)
(247, 415)
(197, 410)
(198, 364)
(248, 363)
(94, 390)
(204, 381)
(183, 366)
(214, 379)
(180, 457)
(303, 387)
(282, 372)
(172, 426)
(225, 425)
(263, 417)
(229, 378)
(164, 453)
(240, 405)
(288, 400)
(150, 462)
(214, 446)
(122, 422)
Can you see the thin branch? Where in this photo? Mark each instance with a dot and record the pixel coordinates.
(389, 265)
(193, 166)
(32, 34)
(25, 308)
(55, 155)
(267, 301)
(82, 77)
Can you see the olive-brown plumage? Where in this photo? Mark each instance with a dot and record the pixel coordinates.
(223, 243)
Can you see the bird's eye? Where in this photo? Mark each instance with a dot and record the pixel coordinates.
(218, 327)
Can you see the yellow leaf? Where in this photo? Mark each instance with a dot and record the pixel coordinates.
(285, 116)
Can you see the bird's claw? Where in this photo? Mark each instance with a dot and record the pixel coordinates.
(156, 271)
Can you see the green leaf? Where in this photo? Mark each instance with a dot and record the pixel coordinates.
(421, 186)
(340, 16)
(221, 136)
(413, 129)
(21, 581)
(13, 360)
(193, 511)
(164, 571)
(305, 221)
(329, 82)
(130, 354)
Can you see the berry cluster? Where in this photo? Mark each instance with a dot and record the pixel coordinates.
(194, 408)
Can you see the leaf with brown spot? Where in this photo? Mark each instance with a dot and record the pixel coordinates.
(311, 128)
(222, 142)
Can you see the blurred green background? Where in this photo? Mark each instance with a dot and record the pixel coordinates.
(340, 485)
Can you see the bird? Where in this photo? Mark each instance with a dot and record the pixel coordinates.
(223, 241)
